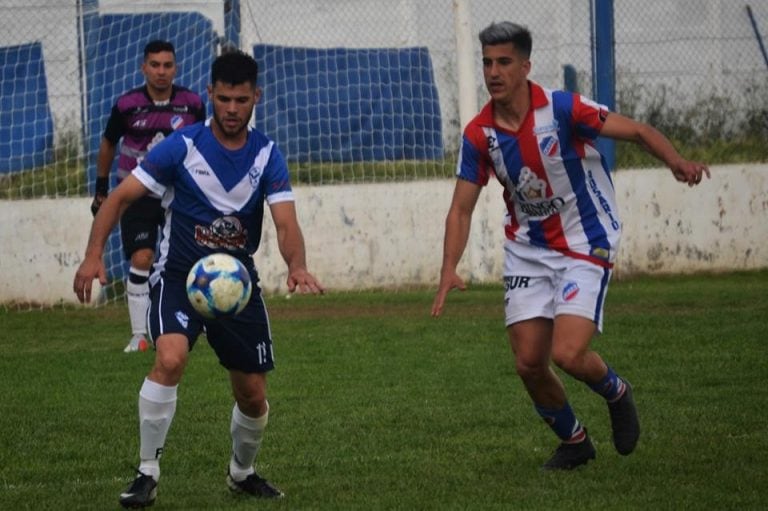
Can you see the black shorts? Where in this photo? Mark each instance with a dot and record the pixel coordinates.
(242, 342)
(140, 225)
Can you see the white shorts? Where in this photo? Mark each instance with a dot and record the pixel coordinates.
(545, 283)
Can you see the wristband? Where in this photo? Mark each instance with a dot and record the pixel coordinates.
(102, 185)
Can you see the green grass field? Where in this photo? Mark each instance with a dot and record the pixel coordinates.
(376, 405)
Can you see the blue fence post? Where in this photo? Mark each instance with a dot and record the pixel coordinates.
(603, 68)
(232, 22)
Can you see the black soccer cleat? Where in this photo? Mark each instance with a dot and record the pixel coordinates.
(570, 456)
(624, 422)
(254, 486)
(141, 493)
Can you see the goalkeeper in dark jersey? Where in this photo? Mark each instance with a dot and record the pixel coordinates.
(140, 119)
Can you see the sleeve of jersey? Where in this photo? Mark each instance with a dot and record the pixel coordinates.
(472, 165)
(200, 112)
(278, 181)
(158, 168)
(588, 117)
(114, 129)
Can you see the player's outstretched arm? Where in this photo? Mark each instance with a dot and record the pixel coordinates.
(290, 241)
(109, 213)
(623, 128)
(457, 224)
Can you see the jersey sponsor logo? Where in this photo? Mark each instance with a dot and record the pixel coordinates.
(602, 200)
(529, 186)
(159, 137)
(493, 143)
(570, 290)
(549, 146)
(547, 128)
(515, 282)
(139, 123)
(225, 232)
(600, 253)
(531, 193)
(177, 122)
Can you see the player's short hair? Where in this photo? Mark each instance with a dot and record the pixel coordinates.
(234, 67)
(157, 46)
(507, 32)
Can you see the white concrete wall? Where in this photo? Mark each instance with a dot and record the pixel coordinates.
(390, 235)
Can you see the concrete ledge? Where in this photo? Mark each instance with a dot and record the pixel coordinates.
(390, 235)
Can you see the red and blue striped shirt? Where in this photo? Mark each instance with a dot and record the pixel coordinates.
(557, 187)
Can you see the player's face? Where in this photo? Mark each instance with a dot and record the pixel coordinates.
(159, 71)
(232, 109)
(505, 71)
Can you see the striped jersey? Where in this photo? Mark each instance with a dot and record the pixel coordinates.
(142, 122)
(557, 188)
(213, 196)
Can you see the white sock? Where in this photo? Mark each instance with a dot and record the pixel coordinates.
(247, 433)
(157, 405)
(137, 290)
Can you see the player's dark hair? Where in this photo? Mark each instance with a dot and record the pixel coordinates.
(157, 46)
(507, 32)
(234, 68)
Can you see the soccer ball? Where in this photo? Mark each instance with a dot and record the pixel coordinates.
(218, 285)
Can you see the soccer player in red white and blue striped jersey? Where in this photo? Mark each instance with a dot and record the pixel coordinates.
(562, 232)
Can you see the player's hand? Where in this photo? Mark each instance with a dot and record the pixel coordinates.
(448, 281)
(690, 172)
(98, 199)
(89, 269)
(304, 282)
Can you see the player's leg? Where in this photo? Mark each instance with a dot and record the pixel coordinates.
(139, 231)
(174, 330)
(137, 292)
(579, 308)
(250, 415)
(530, 276)
(244, 346)
(531, 342)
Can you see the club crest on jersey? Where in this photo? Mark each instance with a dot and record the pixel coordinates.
(570, 291)
(177, 122)
(225, 232)
(549, 146)
(254, 175)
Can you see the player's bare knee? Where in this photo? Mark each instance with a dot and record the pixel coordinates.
(572, 362)
(168, 368)
(530, 371)
(142, 259)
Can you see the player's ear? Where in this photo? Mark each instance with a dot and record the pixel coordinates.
(209, 88)
(256, 94)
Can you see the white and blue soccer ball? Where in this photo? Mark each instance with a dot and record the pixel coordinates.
(218, 285)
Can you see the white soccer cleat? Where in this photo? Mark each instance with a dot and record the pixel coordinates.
(137, 343)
